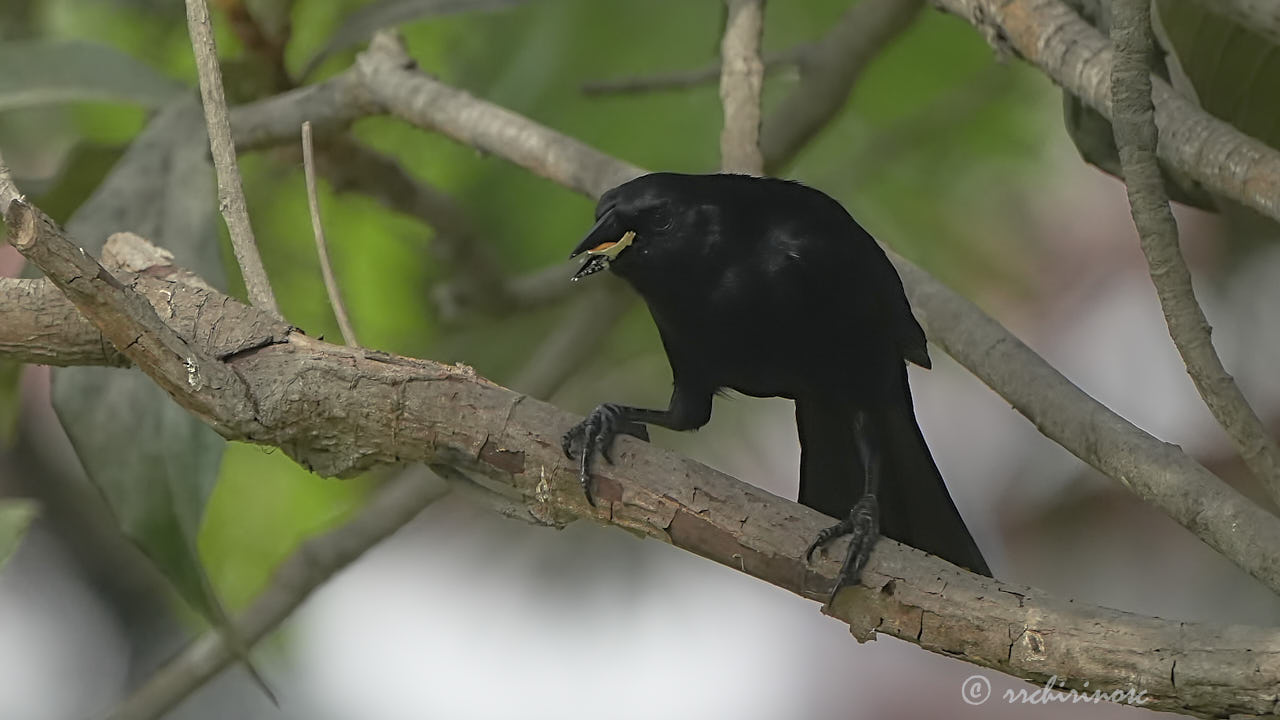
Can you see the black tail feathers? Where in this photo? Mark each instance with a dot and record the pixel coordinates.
(916, 508)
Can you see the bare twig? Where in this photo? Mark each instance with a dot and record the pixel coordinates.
(394, 504)
(681, 79)
(829, 73)
(741, 81)
(1135, 132)
(313, 202)
(391, 80)
(230, 193)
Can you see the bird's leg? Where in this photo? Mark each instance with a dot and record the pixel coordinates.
(596, 434)
(686, 411)
(863, 522)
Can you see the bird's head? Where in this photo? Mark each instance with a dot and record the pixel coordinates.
(636, 224)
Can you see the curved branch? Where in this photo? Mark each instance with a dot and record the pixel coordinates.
(1135, 133)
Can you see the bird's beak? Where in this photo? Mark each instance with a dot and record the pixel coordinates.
(602, 245)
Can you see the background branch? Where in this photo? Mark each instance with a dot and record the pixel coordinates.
(829, 72)
(1135, 133)
(230, 192)
(317, 228)
(741, 81)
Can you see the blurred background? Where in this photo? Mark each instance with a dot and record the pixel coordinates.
(946, 155)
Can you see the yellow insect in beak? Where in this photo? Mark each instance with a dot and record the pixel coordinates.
(611, 250)
(599, 257)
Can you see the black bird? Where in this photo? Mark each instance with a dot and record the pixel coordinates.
(770, 288)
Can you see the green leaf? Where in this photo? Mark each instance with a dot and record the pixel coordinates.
(41, 72)
(1094, 138)
(154, 462)
(1234, 71)
(10, 399)
(361, 24)
(15, 515)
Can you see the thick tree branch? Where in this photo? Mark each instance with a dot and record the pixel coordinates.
(1049, 35)
(230, 191)
(829, 72)
(196, 379)
(741, 81)
(310, 566)
(1135, 133)
(340, 410)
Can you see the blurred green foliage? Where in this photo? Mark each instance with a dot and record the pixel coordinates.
(935, 141)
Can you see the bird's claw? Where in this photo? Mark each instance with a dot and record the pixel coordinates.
(596, 434)
(863, 527)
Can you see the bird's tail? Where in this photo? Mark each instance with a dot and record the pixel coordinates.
(915, 507)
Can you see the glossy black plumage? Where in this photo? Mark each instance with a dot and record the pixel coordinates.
(770, 288)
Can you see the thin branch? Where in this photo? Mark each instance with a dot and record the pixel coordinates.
(316, 560)
(693, 77)
(392, 81)
(741, 81)
(1135, 133)
(317, 228)
(230, 193)
(331, 106)
(1259, 16)
(829, 73)
(420, 411)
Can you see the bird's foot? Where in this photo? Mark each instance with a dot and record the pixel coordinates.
(596, 433)
(863, 525)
